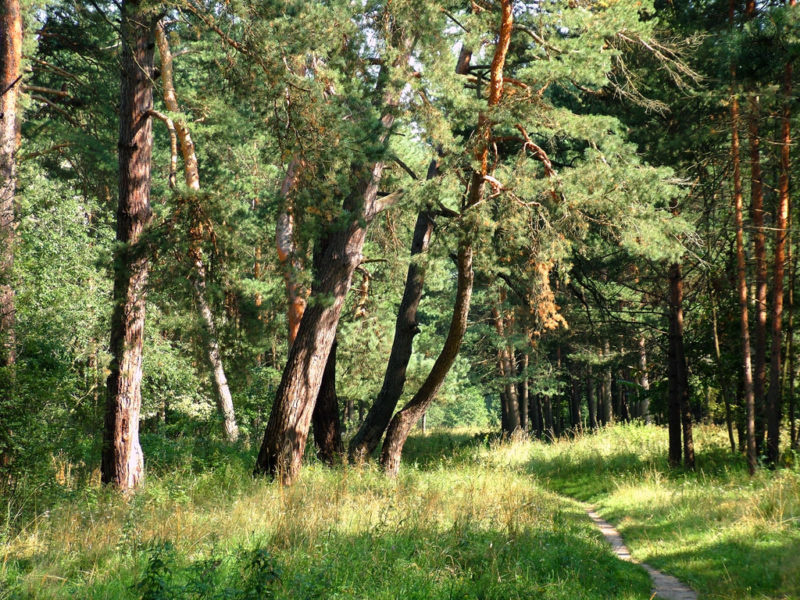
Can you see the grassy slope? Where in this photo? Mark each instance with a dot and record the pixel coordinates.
(463, 520)
(727, 535)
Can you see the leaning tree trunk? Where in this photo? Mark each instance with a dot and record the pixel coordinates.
(325, 418)
(122, 460)
(380, 413)
(774, 399)
(191, 174)
(741, 270)
(403, 421)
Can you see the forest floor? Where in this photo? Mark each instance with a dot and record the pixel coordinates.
(468, 517)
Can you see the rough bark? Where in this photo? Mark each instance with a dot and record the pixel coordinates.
(741, 271)
(369, 435)
(191, 173)
(10, 84)
(775, 395)
(122, 460)
(403, 421)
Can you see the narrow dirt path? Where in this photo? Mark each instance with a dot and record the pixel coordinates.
(664, 586)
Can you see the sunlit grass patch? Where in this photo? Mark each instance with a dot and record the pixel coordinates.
(723, 532)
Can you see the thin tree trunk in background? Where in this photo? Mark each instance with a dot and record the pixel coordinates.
(404, 420)
(683, 370)
(775, 396)
(507, 371)
(760, 253)
(590, 399)
(523, 393)
(191, 172)
(644, 381)
(575, 407)
(608, 414)
(122, 460)
(674, 402)
(747, 371)
(720, 373)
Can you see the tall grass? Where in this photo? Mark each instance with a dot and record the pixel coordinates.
(463, 520)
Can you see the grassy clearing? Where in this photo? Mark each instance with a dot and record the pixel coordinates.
(724, 533)
(463, 520)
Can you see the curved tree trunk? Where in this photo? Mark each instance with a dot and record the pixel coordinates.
(191, 173)
(380, 413)
(122, 460)
(403, 421)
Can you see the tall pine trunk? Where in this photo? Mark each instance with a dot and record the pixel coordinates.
(775, 398)
(122, 460)
(10, 84)
(760, 253)
(741, 270)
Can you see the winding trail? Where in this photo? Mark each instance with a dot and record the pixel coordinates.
(664, 586)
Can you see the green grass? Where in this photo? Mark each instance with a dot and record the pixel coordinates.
(464, 519)
(722, 532)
